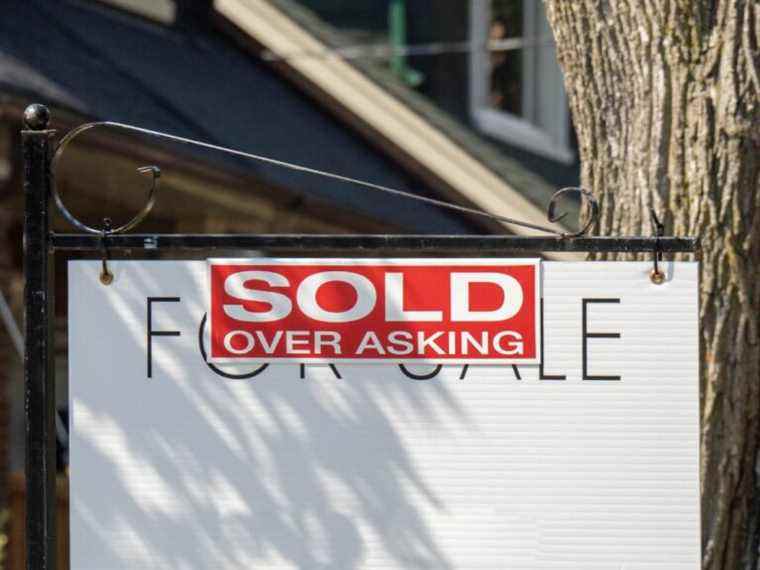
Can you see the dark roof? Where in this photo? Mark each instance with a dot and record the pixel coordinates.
(197, 83)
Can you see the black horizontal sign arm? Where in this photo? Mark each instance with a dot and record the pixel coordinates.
(344, 243)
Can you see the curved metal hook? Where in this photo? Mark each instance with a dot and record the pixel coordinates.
(154, 171)
(584, 194)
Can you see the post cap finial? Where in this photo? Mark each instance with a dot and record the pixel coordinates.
(36, 117)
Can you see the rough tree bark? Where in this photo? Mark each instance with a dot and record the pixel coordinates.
(664, 98)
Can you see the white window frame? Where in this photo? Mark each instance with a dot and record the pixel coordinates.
(548, 133)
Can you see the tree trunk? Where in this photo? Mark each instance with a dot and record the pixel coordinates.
(664, 98)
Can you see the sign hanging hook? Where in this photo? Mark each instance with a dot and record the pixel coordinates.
(106, 277)
(657, 276)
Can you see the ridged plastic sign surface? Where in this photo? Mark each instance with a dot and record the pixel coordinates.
(372, 310)
(588, 460)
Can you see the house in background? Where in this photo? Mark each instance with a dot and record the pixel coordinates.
(261, 76)
(512, 94)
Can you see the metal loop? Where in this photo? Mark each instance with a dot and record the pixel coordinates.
(154, 171)
(584, 195)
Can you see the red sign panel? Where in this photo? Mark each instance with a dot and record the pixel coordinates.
(360, 310)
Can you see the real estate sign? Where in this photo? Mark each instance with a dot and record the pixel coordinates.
(373, 310)
(375, 414)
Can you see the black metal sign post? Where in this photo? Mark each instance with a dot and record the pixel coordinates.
(39, 350)
(40, 246)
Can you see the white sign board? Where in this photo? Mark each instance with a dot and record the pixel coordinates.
(588, 461)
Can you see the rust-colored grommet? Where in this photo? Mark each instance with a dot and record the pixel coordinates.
(106, 277)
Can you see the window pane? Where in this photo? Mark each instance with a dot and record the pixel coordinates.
(506, 64)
